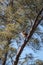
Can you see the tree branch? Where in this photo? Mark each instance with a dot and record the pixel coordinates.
(37, 21)
(4, 62)
(5, 59)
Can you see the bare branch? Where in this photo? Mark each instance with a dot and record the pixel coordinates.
(4, 62)
(28, 37)
(5, 58)
(11, 3)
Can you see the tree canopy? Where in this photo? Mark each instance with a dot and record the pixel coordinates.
(17, 16)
